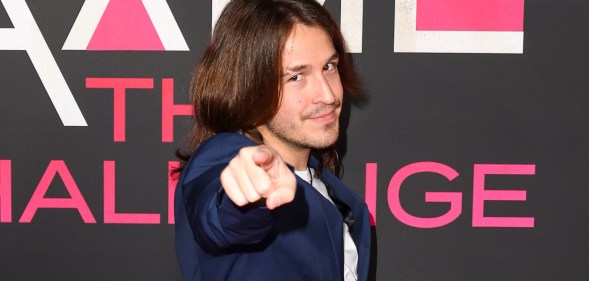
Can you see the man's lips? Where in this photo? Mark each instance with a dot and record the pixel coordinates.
(324, 111)
(324, 117)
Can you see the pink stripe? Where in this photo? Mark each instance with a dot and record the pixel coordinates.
(125, 25)
(110, 213)
(5, 191)
(170, 109)
(172, 181)
(371, 173)
(470, 15)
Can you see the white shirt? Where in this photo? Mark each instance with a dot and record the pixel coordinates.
(350, 251)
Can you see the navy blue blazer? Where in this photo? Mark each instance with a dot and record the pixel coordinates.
(301, 240)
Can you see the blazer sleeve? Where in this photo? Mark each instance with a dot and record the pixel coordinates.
(217, 224)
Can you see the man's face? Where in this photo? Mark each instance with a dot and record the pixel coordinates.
(308, 116)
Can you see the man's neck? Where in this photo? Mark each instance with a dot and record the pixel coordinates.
(298, 157)
(294, 156)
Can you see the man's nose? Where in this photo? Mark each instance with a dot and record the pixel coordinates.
(323, 91)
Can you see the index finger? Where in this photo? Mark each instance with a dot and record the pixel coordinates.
(264, 157)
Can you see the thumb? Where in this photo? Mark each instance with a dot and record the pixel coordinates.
(282, 195)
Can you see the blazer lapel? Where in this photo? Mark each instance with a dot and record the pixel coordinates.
(361, 234)
(332, 219)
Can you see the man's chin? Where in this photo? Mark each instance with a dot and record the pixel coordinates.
(324, 142)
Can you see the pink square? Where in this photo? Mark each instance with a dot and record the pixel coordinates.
(470, 15)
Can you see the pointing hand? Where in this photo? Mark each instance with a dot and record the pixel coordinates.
(258, 173)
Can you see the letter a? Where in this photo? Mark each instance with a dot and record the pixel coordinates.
(26, 36)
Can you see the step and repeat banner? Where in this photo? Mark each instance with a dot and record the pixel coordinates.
(470, 142)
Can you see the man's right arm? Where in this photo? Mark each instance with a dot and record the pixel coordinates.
(224, 203)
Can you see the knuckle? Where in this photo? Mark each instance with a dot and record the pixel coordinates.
(239, 202)
(244, 152)
(252, 197)
(263, 187)
(234, 196)
(227, 177)
(225, 173)
(233, 163)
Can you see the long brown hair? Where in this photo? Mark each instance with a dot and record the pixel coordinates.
(236, 86)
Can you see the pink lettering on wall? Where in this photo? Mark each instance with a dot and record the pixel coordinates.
(110, 214)
(119, 85)
(169, 110)
(172, 181)
(38, 200)
(454, 198)
(480, 195)
(370, 193)
(5, 191)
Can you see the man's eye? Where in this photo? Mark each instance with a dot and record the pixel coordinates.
(329, 66)
(297, 77)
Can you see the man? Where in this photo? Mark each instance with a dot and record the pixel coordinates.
(257, 199)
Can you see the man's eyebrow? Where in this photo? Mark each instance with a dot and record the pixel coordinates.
(296, 68)
(299, 68)
(333, 57)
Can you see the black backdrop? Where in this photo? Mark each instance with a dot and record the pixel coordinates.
(464, 111)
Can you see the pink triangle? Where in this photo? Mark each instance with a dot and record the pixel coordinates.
(125, 25)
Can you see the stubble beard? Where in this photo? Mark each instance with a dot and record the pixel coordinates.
(286, 131)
